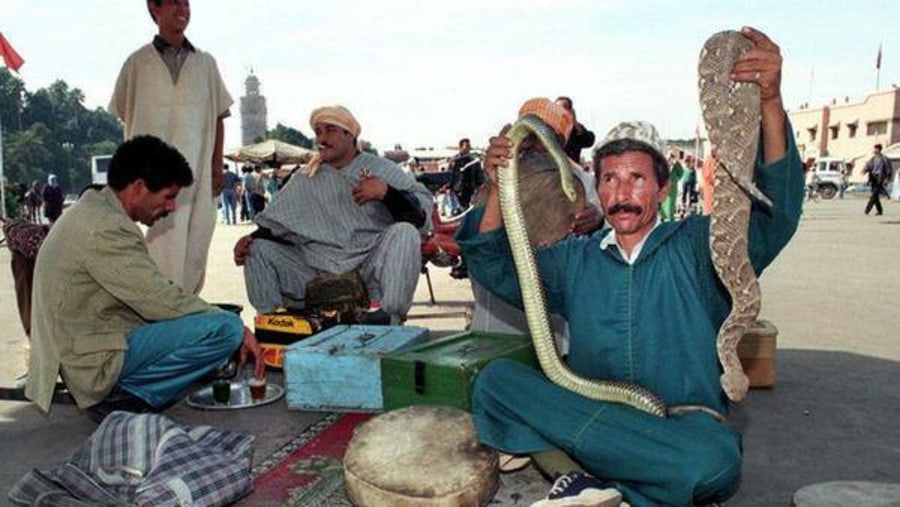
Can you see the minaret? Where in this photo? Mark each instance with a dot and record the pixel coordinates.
(253, 111)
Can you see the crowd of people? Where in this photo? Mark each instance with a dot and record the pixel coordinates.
(115, 312)
(245, 196)
(38, 203)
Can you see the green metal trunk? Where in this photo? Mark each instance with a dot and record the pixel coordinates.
(443, 372)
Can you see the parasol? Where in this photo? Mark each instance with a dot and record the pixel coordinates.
(271, 152)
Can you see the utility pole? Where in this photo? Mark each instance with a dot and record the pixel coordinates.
(878, 69)
(67, 147)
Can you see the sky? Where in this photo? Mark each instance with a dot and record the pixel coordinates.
(429, 72)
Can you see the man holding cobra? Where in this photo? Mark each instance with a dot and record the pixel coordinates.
(644, 305)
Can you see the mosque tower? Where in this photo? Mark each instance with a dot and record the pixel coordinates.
(253, 111)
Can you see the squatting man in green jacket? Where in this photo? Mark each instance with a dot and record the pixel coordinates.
(121, 334)
(644, 305)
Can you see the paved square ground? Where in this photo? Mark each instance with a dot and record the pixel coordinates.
(833, 415)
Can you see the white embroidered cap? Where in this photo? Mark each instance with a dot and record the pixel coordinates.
(640, 131)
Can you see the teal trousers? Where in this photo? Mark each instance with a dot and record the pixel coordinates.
(164, 358)
(682, 460)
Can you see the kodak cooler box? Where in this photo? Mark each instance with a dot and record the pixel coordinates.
(443, 372)
(275, 331)
(340, 368)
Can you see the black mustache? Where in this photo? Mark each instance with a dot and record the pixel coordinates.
(626, 207)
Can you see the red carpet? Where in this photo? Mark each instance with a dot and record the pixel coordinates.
(308, 471)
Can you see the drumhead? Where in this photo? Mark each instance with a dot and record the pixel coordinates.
(419, 456)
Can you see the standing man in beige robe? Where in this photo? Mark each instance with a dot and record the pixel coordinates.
(172, 90)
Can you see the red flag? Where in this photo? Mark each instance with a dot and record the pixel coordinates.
(878, 60)
(10, 57)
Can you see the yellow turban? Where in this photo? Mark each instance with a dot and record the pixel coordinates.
(338, 116)
(553, 114)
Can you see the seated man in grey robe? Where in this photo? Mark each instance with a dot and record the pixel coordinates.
(347, 210)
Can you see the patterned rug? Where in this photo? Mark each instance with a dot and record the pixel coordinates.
(307, 472)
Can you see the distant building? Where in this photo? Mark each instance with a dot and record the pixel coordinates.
(848, 130)
(253, 112)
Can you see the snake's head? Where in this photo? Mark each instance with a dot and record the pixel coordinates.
(548, 138)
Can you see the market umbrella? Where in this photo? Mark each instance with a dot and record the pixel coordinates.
(397, 156)
(271, 152)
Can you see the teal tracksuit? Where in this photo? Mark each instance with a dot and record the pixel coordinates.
(653, 323)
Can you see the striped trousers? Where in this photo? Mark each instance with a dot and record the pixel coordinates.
(276, 274)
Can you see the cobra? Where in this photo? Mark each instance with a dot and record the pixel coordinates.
(731, 111)
(533, 298)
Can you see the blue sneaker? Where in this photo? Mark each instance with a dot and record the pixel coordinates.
(576, 489)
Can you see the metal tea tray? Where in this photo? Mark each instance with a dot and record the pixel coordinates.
(240, 397)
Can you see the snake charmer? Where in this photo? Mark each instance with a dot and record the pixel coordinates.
(644, 305)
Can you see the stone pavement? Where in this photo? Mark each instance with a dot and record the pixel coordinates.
(832, 416)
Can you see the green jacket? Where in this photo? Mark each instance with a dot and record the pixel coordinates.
(654, 322)
(667, 206)
(94, 282)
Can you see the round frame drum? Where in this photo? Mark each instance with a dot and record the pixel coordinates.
(419, 456)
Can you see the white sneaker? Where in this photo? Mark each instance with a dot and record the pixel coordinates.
(577, 489)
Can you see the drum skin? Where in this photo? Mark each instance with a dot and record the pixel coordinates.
(419, 456)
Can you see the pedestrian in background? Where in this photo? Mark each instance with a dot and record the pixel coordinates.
(53, 199)
(230, 182)
(580, 137)
(879, 170)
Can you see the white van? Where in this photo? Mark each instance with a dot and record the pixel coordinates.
(99, 168)
(831, 174)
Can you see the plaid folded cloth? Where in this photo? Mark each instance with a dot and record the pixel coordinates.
(145, 460)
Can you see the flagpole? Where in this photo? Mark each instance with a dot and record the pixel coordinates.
(2, 176)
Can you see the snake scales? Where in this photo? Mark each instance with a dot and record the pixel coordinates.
(731, 112)
(533, 299)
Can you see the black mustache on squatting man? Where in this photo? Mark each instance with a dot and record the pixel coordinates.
(625, 206)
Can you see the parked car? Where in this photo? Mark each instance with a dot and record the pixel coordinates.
(830, 174)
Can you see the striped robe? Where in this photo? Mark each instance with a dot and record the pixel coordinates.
(329, 233)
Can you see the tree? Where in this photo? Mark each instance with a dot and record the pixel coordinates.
(27, 155)
(51, 131)
(11, 91)
(289, 135)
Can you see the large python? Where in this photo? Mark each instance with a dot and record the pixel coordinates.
(533, 298)
(731, 111)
